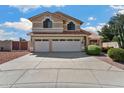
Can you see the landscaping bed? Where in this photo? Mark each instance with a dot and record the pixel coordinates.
(107, 59)
(7, 56)
(113, 56)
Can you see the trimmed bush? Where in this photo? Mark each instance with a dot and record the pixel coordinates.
(93, 50)
(105, 49)
(117, 54)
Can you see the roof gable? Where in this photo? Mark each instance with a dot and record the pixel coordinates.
(64, 16)
(59, 15)
(46, 14)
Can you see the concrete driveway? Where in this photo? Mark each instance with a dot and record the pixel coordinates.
(75, 70)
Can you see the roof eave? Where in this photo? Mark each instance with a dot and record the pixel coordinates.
(38, 15)
(81, 22)
(86, 32)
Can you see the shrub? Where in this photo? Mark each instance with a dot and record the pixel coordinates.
(117, 54)
(105, 49)
(93, 50)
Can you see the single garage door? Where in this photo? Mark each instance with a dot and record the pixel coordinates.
(41, 45)
(66, 45)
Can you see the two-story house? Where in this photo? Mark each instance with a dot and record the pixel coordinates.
(57, 32)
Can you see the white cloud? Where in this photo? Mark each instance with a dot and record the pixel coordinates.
(48, 6)
(25, 8)
(118, 8)
(2, 32)
(4, 35)
(23, 24)
(99, 27)
(121, 11)
(101, 24)
(87, 24)
(90, 28)
(91, 18)
(13, 38)
(94, 28)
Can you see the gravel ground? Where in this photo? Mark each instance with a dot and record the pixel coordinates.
(110, 61)
(7, 56)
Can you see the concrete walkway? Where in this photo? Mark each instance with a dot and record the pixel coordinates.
(66, 70)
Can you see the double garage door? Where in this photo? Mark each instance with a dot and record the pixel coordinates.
(57, 45)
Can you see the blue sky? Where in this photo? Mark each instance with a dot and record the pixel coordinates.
(14, 23)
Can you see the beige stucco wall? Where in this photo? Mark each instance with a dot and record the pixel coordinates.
(7, 45)
(77, 25)
(110, 44)
(58, 24)
(33, 38)
(43, 16)
(56, 37)
(54, 25)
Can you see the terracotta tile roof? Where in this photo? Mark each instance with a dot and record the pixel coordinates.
(94, 36)
(65, 32)
(85, 32)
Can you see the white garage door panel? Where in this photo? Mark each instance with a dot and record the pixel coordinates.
(41, 46)
(66, 46)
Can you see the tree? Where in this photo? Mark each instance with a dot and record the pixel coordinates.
(106, 33)
(117, 25)
(21, 39)
(114, 30)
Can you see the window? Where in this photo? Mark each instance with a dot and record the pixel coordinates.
(47, 23)
(76, 39)
(37, 39)
(71, 26)
(45, 40)
(62, 39)
(69, 40)
(55, 40)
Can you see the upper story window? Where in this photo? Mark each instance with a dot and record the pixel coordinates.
(47, 23)
(71, 26)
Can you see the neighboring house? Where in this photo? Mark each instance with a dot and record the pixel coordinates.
(95, 39)
(8, 45)
(52, 32)
(110, 44)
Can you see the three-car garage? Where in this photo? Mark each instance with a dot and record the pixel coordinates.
(58, 45)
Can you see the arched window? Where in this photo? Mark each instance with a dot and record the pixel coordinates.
(71, 26)
(47, 23)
